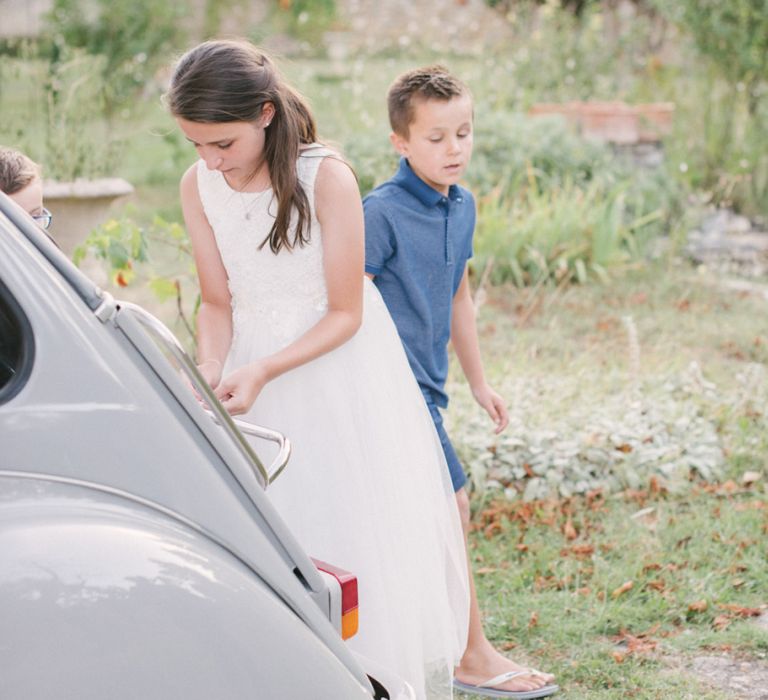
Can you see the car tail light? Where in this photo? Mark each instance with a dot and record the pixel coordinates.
(347, 583)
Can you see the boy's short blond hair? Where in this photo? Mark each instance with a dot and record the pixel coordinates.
(16, 170)
(426, 83)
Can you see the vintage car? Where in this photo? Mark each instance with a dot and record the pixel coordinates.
(139, 554)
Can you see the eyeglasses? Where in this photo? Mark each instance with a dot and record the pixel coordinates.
(44, 219)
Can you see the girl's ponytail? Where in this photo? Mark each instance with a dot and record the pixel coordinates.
(292, 126)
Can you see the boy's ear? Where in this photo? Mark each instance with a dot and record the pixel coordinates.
(400, 143)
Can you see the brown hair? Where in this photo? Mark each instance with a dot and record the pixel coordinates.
(426, 83)
(228, 81)
(16, 170)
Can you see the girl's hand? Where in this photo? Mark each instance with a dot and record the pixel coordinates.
(239, 390)
(494, 405)
(211, 371)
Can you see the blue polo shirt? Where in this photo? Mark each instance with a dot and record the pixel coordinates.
(417, 243)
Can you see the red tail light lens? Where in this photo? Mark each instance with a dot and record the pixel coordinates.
(349, 608)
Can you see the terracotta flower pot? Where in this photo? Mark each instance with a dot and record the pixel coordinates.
(80, 206)
(614, 122)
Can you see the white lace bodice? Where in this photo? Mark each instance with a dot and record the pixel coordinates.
(286, 291)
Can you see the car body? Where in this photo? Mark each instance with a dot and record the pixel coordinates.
(139, 553)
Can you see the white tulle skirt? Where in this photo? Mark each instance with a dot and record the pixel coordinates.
(367, 488)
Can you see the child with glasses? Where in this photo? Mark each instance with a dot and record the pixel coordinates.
(20, 180)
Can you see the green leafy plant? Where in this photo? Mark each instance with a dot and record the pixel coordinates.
(123, 245)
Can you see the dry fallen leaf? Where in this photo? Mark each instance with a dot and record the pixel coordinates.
(623, 588)
(569, 530)
(698, 606)
(636, 643)
(583, 550)
(740, 611)
(618, 657)
(534, 620)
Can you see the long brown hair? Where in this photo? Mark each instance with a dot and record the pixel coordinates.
(228, 81)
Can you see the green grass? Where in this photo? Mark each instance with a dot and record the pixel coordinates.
(701, 547)
(562, 560)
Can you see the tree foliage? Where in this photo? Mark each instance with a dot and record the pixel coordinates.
(131, 37)
(733, 35)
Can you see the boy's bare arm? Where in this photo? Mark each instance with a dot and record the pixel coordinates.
(467, 347)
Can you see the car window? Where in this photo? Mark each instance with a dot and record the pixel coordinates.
(15, 346)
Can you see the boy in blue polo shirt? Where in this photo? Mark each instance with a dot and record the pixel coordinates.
(418, 230)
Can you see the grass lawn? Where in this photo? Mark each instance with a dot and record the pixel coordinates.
(619, 593)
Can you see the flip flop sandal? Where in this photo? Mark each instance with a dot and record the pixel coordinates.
(488, 688)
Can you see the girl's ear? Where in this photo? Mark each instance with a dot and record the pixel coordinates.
(400, 143)
(267, 114)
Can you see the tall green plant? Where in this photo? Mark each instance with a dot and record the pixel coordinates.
(731, 154)
(132, 37)
(55, 112)
(560, 233)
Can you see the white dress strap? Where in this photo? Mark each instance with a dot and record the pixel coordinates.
(309, 161)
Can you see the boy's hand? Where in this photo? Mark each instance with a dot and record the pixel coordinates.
(494, 405)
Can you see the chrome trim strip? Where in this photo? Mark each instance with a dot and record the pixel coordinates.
(200, 385)
(284, 454)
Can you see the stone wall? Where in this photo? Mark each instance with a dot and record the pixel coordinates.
(22, 18)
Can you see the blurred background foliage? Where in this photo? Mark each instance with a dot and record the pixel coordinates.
(83, 97)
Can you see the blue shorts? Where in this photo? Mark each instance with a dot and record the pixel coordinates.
(458, 477)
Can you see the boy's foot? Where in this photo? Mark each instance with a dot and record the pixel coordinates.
(476, 668)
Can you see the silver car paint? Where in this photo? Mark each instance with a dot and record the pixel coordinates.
(95, 413)
(109, 599)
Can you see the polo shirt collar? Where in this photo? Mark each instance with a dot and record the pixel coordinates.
(412, 183)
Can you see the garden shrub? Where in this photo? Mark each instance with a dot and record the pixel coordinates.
(563, 440)
(726, 139)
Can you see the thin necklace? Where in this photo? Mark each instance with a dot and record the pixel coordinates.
(248, 208)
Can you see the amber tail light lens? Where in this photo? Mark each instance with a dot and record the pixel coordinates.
(348, 584)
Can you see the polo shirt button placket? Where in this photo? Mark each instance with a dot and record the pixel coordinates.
(448, 252)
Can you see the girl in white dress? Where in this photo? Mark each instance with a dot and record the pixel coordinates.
(292, 335)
